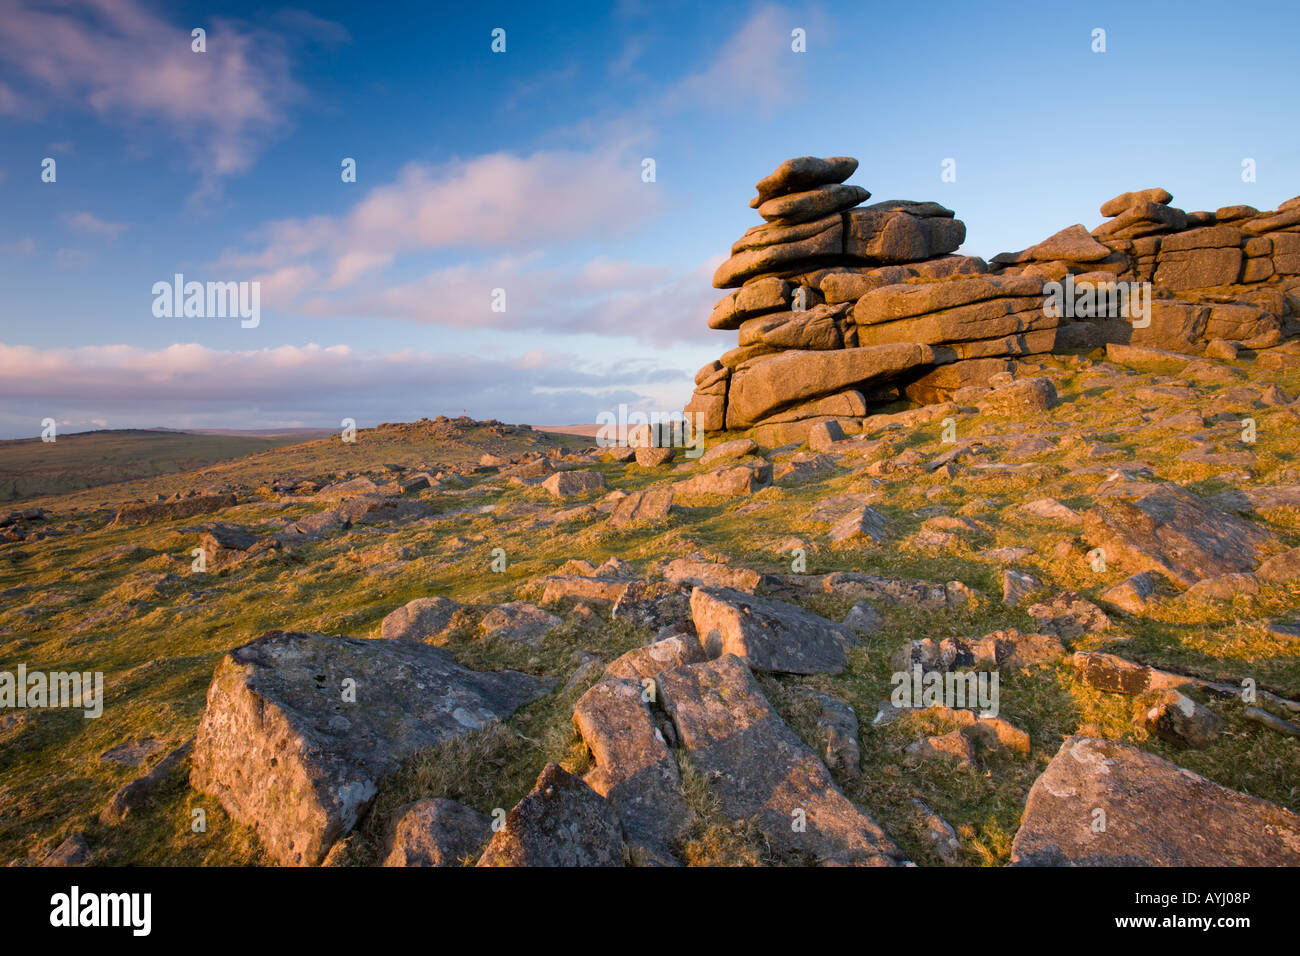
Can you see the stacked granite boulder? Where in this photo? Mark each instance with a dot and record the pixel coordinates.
(1232, 274)
(839, 306)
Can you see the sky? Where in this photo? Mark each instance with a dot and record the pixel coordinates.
(522, 171)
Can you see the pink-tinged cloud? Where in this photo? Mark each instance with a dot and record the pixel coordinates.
(91, 225)
(649, 304)
(127, 64)
(194, 385)
(497, 201)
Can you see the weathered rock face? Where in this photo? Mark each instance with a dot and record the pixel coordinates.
(839, 306)
(760, 771)
(1157, 814)
(634, 769)
(287, 752)
(1174, 533)
(768, 635)
(435, 832)
(146, 512)
(561, 822)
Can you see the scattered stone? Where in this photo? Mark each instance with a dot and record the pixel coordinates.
(837, 725)
(864, 524)
(1181, 720)
(136, 794)
(424, 620)
(1170, 531)
(634, 769)
(435, 832)
(566, 484)
(942, 837)
(653, 659)
(1069, 616)
(768, 635)
(519, 621)
(760, 771)
(684, 571)
(74, 851)
(863, 619)
(1133, 594)
(954, 746)
(561, 822)
(1157, 814)
(1115, 675)
(1016, 586)
(642, 507)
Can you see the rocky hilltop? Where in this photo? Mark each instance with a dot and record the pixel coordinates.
(841, 307)
(453, 642)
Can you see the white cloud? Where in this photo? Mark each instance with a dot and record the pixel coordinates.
(495, 201)
(92, 225)
(127, 64)
(193, 385)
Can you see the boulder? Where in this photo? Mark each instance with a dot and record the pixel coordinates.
(684, 571)
(634, 769)
(727, 481)
(422, 620)
(561, 822)
(1171, 532)
(650, 506)
(300, 729)
(769, 635)
(566, 484)
(803, 172)
(520, 622)
(760, 771)
(794, 376)
(812, 203)
(147, 512)
(435, 832)
(1156, 814)
(656, 657)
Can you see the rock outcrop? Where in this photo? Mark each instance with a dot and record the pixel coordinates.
(839, 306)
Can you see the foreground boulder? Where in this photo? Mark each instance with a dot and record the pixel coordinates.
(561, 822)
(1156, 814)
(435, 832)
(634, 769)
(769, 635)
(760, 771)
(287, 752)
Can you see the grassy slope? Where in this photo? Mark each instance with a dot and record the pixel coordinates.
(158, 637)
(32, 468)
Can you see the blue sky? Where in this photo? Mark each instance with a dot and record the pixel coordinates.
(522, 170)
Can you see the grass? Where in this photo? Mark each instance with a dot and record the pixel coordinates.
(123, 600)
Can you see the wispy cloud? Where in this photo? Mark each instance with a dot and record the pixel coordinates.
(198, 385)
(126, 64)
(91, 225)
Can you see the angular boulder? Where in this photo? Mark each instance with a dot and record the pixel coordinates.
(760, 771)
(300, 729)
(1157, 814)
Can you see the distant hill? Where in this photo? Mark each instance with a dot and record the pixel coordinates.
(144, 462)
(31, 468)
